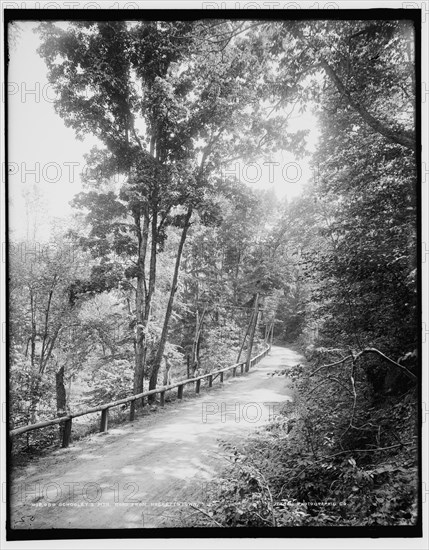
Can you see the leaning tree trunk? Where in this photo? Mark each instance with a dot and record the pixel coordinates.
(61, 398)
(245, 336)
(252, 332)
(271, 334)
(163, 340)
(196, 343)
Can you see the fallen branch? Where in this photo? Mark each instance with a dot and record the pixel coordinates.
(332, 364)
(354, 358)
(374, 350)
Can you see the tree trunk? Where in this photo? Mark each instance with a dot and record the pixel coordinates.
(164, 334)
(61, 397)
(152, 267)
(42, 361)
(266, 332)
(198, 328)
(141, 321)
(198, 356)
(34, 384)
(245, 336)
(34, 397)
(33, 328)
(166, 381)
(252, 332)
(270, 334)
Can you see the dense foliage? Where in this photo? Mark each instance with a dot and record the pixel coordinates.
(170, 257)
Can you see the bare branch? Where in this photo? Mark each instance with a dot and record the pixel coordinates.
(354, 358)
(374, 350)
(332, 364)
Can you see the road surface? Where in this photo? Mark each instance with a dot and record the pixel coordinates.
(139, 474)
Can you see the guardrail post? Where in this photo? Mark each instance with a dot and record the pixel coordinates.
(242, 368)
(162, 398)
(67, 433)
(234, 372)
(104, 420)
(197, 386)
(210, 381)
(132, 410)
(221, 377)
(180, 391)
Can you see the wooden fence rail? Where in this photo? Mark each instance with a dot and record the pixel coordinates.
(104, 409)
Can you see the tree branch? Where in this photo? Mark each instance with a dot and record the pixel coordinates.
(205, 514)
(404, 137)
(332, 364)
(354, 358)
(374, 350)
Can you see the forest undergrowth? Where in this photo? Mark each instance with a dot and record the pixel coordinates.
(323, 460)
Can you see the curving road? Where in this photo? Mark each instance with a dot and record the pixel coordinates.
(138, 474)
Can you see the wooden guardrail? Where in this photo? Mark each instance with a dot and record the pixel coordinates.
(104, 409)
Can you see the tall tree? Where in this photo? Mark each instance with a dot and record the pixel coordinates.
(167, 108)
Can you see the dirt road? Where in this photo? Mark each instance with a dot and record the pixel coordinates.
(138, 474)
